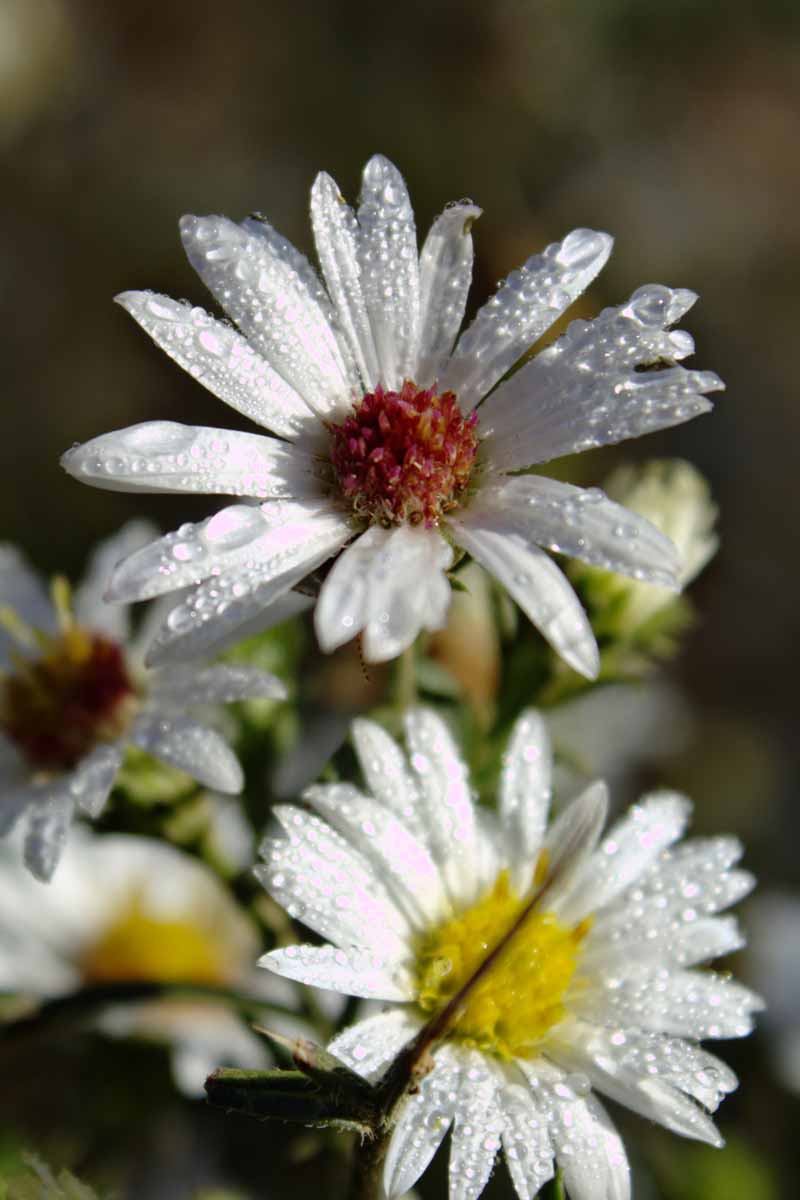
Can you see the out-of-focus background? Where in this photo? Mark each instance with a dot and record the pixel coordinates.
(674, 126)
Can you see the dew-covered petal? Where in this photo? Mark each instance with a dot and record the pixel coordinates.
(526, 1141)
(631, 846)
(94, 777)
(534, 581)
(370, 1045)
(478, 1127)
(683, 939)
(399, 858)
(352, 972)
(200, 752)
(164, 456)
(181, 686)
(570, 842)
(368, 590)
(321, 880)
(445, 798)
(270, 302)
(424, 1120)
(585, 524)
(521, 310)
(693, 1004)
(525, 788)
(590, 389)
(215, 354)
(387, 255)
(21, 591)
(49, 818)
(445, 273)
(336, 237)
(88, 601)
(385, 770)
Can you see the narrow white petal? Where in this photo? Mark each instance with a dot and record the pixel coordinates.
(399, 859)
(209, 639)
(585, 524)
(22, 592)
(88, 602)
(221, 684)
(526, 1141)
(224, 362)
(445, 273)
(49, 819)
(534, 581)
(369, 590)
(352, 972)
(200, 752)
(164, 456)
(336, 237)
(423, 1122)
(370, 1045)
(525, 788)
(682, 939)
(522, 309)
(445, 794)
(631, 846)
(387, 776)
(586, 391)
(271, 304)
(94, 777)
(478, 1127)
(387, 254)
(570, 841)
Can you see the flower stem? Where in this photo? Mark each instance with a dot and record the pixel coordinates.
(406, 680)
(367, 1163)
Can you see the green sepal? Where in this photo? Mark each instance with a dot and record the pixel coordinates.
(280, 1095)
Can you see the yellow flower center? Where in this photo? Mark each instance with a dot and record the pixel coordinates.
(510, 1009)
(141, 946)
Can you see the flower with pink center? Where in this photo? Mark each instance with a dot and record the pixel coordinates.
(393, 444)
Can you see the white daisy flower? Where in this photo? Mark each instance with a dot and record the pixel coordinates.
(595, 987)
(74, 693)
(394, 444)
(126, 909)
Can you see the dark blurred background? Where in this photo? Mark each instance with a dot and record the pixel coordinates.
(675, 126)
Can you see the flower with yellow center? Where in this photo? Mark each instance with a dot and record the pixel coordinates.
(74, 694)
(387, 442)
(560, 961)
(124, 909)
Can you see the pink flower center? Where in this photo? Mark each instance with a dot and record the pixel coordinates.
(404, 456)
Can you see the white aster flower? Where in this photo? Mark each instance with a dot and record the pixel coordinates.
(74, 693)
(126, 909)
(392, 445)
(413, 887)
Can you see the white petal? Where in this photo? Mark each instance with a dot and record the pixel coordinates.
(586, 391)
(22, 592)
(477, 1130)
(570, 841)
(94, 777)
(585, 524)
(631, 846)
(200, 752)
(522, 309)
(694, 1004)
(164, 456)
(445, 794)
(88, 602)
(368, 589)
(221, 684)
(336, 238)
(525, 788)
(224, 362)
(353, 972)
(49, 819)
(399, 859)
(386, 772)
(268, 539)
(387, 255)
(526, 1141)
(370, 1045)
(682, 939)
(534, 581)
(423, 1122)
(263, 293)
(445, 273)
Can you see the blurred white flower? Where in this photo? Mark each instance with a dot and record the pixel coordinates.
(393, 446)
(74, 693)
(126, 909)
(592, 946)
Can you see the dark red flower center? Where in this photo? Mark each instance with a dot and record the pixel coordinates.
(57, 708)
(404, 456)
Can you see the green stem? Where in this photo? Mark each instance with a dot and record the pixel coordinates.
(367, 1167)
(406, 680)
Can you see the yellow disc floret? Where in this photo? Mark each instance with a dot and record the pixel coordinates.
(509, 1009)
